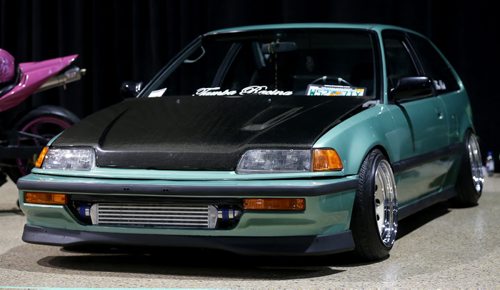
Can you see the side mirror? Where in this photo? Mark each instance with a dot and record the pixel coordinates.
(130, 89)
(410, 88)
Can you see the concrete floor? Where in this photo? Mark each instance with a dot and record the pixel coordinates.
(439, 247)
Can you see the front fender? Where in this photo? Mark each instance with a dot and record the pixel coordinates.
(354, 138)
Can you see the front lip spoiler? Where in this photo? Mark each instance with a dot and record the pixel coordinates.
(287, 245)
(310, 189)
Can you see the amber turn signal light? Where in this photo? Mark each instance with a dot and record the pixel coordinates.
(326, 160)
(45, 198)
(295, 204)
(41, 157)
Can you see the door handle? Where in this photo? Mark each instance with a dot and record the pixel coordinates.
(439, 113)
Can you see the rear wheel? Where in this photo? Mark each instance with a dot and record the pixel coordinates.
(470, 178)
(374, 220)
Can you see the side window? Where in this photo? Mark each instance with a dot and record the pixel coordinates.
(435, 67)
(398, 61)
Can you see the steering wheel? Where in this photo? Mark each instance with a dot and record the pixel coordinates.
(336, 79)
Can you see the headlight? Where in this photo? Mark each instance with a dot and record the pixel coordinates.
(66, 158)
(255, 161)
(269, 161)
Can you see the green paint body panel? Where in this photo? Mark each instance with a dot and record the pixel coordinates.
(383, 125)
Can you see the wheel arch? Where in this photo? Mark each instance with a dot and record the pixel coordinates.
(382, 149)
(379, 147)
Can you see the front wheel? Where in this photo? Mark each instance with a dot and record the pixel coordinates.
(470, 180)
(36, 132)
(374, 221)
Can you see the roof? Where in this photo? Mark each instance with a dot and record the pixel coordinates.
(374, 27)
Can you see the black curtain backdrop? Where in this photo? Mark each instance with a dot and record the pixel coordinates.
(130, 40)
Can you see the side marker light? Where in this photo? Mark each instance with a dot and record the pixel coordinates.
(326, 160)
(41, 157)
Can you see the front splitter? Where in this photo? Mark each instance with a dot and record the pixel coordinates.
(283, 245)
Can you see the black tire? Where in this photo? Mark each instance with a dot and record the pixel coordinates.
(470, 179)
(373, 241)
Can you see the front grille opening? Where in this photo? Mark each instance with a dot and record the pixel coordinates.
(162, 214)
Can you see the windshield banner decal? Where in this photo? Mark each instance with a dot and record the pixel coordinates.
(251, 90)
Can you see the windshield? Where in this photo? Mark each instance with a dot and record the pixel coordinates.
(274, 63)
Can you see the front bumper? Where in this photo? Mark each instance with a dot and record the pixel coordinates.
(322, 228)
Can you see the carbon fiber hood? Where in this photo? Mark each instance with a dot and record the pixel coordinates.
(204, 133)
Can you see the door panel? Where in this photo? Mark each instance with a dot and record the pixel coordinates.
(428, 123)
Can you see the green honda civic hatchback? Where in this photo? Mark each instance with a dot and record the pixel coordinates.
(297, 139)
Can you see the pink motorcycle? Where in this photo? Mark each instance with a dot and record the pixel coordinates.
(23, 134)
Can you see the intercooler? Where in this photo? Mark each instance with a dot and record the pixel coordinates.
(154, 215)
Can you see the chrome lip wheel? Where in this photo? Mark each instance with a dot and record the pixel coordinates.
(476, 164)
(386, 207)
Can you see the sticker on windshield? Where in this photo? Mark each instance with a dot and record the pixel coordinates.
(251, 90)
(326, 90)
(157, 93)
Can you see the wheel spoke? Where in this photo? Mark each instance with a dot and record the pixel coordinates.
(379, 201)
(385, 203)
(475, 162)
